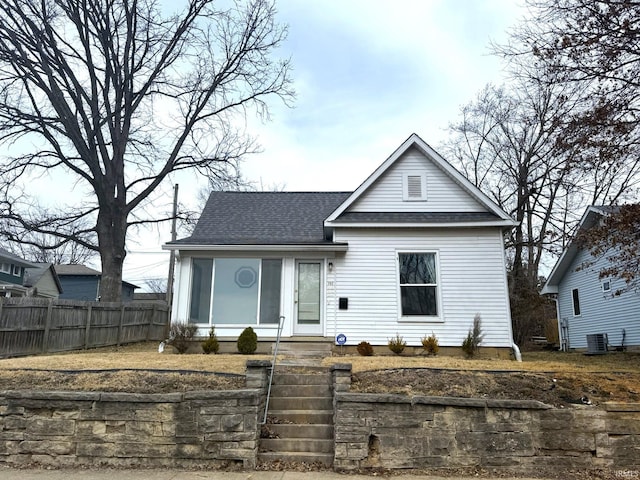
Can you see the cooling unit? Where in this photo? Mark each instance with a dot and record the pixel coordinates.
(597, 344)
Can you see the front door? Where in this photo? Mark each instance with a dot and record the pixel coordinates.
(308, 298)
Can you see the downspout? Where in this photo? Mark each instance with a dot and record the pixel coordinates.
(559, 320)
(516, 351)
(514, 347)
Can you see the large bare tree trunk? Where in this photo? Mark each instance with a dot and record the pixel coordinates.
(112, 230)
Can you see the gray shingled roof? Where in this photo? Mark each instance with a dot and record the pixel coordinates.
(416, 217)
(68, 269)
(16, 260)
(264, 218)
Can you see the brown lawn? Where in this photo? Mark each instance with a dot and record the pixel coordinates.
(552, 377)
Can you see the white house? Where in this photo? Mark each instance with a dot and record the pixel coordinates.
(586, 303)
(415, 250)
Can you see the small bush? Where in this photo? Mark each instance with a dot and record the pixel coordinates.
(471, 344)
(211, 344)
(397, 344)
(247, 341)
(430, 344)
(365, 349)
(181, 334)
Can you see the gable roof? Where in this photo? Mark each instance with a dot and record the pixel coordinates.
(16, 260)
(285, 220)
(33, 275)
(77, 270)
(589, 218)
(498, 217)
(264, 218)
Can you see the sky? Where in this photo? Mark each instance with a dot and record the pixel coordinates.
(368, 74)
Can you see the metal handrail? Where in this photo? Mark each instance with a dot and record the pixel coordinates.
(273, 367)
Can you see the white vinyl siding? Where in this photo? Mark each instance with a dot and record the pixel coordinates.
(441, 193)
(600, 311)
(472, 280)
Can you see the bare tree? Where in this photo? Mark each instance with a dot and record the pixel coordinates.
(156, 285)
(616, 239)
(116, 96)
(513, 144)
(43, 250)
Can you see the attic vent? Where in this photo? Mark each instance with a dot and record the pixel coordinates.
(597, 344)
(415, 186)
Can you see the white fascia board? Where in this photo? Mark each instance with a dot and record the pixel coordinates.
(503, 223)
(338, 247)
(440, 162)
(569, 253)
(372, 178)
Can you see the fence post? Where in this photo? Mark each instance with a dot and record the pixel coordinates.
(47, 328)
(87, 327)
(120, 325)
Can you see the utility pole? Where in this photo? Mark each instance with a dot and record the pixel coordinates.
(172, 254)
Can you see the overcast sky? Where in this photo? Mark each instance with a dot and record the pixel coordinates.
(368, 73)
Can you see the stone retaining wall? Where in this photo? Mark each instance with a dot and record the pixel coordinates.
(193, 429)
(119, 429)
(396, 431)
(213, 429)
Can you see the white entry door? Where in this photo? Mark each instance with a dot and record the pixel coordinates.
(308, 298)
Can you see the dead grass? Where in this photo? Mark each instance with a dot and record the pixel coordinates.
(141, 368)
(137, 356)
(542, 361)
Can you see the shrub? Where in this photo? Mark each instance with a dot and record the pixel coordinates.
(430, 344)
(211, 344)
(397, 344)
(247, 341)
(180, 335)
(365, 349)
(471, 344)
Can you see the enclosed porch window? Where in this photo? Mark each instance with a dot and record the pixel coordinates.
(234, 291)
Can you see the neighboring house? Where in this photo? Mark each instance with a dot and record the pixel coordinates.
(41, 280)
(585, 303)
(415, 250)
(12, 272)
(83, 283)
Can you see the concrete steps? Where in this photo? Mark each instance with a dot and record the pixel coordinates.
(305, 353)
(300, 418)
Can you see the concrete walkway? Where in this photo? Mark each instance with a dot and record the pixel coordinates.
(110, 474)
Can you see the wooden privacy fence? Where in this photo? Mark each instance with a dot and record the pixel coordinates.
(33, 325)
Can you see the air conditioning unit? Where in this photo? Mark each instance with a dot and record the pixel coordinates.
(597, 344)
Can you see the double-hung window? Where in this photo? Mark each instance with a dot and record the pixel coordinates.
(418, 284)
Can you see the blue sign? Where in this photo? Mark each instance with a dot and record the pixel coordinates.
(341, 339)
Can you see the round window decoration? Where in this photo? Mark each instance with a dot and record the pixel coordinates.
(246, 277)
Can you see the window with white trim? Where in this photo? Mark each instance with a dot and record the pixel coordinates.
(414, 186)
(606, 286)
(5, 268)
(418, 280)
(234, 291)
(17, 271)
